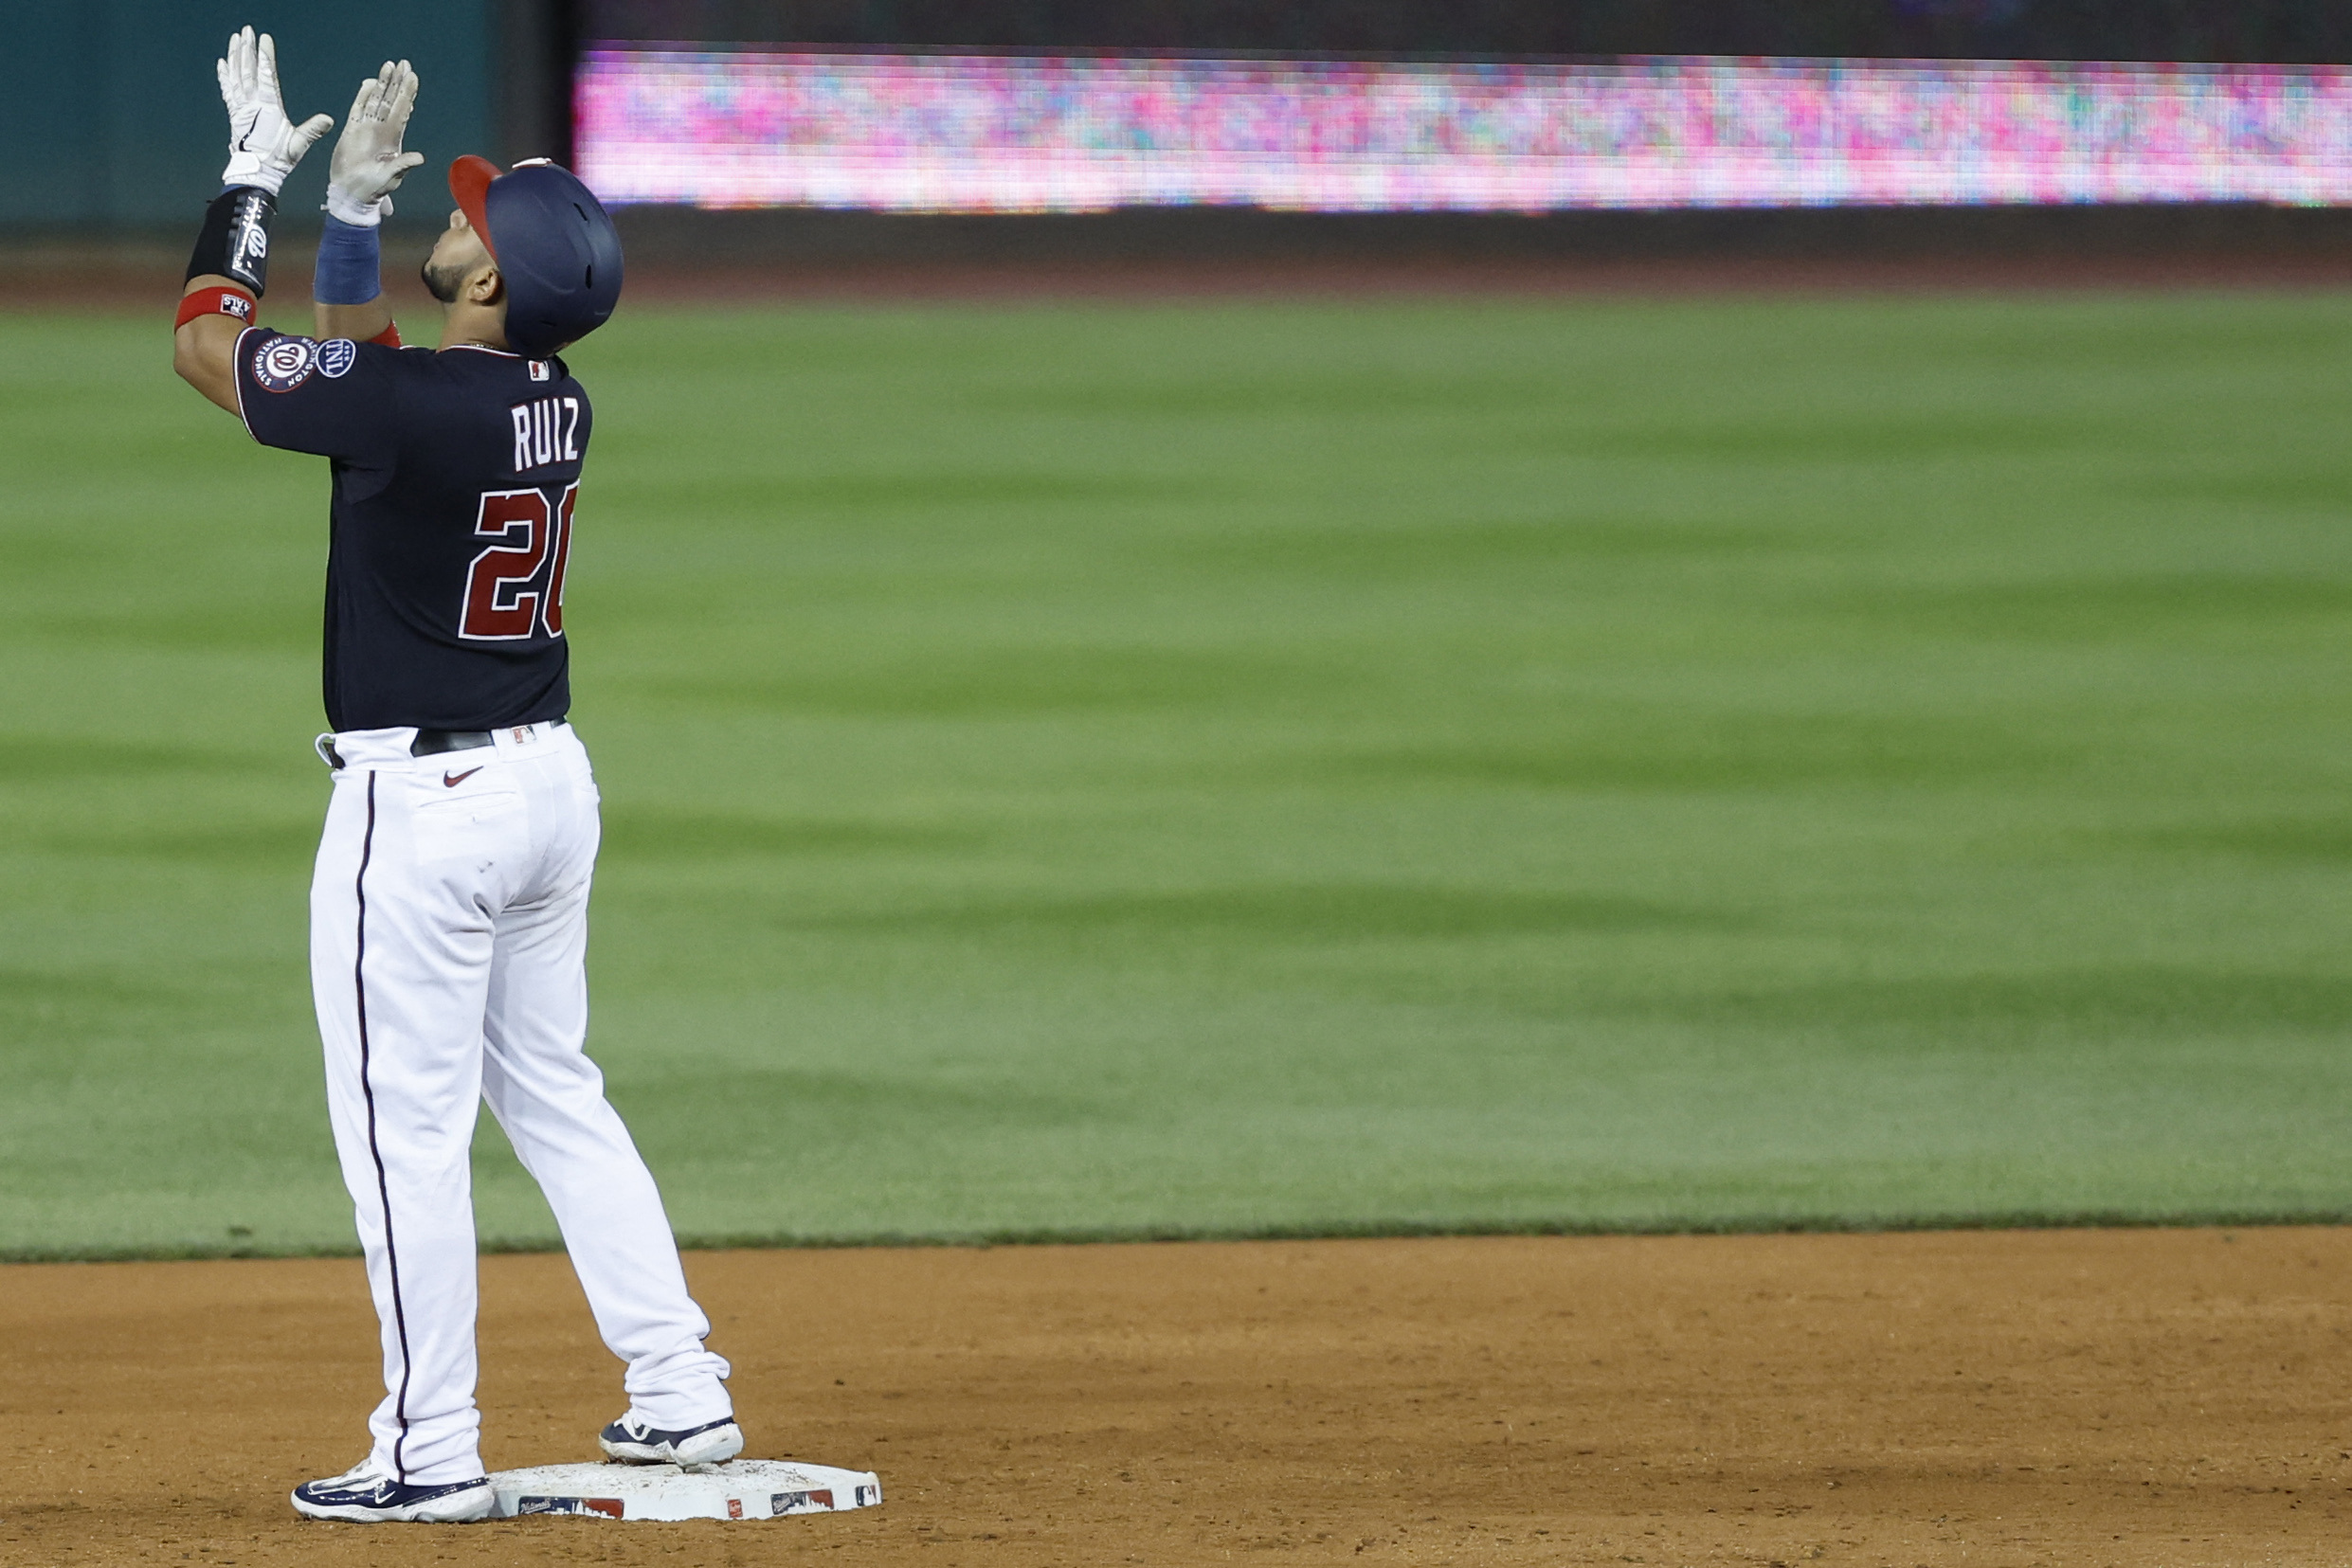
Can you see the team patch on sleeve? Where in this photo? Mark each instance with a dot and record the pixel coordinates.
(336, 356)
(283, 364)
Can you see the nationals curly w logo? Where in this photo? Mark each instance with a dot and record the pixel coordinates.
(283, 364)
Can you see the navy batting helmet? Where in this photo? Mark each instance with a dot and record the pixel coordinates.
(554, 244)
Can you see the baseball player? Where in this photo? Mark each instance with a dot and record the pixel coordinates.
(448, 910)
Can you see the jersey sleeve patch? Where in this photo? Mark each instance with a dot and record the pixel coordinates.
(333, 399)
(281, 364)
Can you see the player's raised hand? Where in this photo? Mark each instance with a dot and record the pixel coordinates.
(368, 165)
(263, 145)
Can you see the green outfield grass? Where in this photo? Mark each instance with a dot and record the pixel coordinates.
(1250, 768)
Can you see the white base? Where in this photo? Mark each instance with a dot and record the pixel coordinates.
(741, 1488)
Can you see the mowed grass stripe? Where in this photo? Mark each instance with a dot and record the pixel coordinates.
(1242, 768)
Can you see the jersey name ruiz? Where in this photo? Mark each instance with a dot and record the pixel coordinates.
(547, 430)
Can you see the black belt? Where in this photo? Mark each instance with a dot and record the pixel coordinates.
(431, 742)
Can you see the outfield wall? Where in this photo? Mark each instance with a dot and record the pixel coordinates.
(2243, 237)
(108, 113)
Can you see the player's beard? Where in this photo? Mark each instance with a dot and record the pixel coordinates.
(443, 283)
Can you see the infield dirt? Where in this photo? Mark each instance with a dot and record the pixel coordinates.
(1990, 1398)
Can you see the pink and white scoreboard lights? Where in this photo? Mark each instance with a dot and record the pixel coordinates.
(970, 133)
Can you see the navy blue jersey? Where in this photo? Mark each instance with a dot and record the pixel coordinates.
(454, 479)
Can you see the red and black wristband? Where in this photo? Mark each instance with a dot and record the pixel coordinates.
(239, 305)
(234, 302)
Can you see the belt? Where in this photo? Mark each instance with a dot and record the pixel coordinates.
(432, 742)
(429, 742)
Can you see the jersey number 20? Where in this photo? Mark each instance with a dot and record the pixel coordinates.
(513, 589)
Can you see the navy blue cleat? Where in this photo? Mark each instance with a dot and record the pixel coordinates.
(365, 1495)
(634, 1441)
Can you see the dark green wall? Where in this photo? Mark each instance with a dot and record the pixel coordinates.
(110, 118)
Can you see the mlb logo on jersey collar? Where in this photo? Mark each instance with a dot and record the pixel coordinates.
(540, 370)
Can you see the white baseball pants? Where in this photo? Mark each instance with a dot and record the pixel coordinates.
(448, 940)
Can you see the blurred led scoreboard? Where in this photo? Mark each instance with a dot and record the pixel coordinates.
(990, 133)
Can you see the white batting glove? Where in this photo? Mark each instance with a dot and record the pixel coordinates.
(368, 165)
(263, 145)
